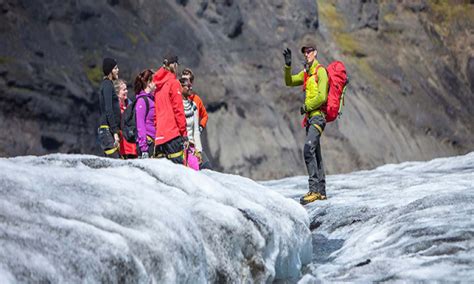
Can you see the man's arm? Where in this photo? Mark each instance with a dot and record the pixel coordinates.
(202, 111)
(293, 80)
(197, 133)
(108, 92)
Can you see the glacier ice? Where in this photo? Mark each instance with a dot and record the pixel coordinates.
(74, 218)
(408, 222)
(79, 218)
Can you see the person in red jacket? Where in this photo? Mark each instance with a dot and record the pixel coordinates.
(188, 74)
(171, 136)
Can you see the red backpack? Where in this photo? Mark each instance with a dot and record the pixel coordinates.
(337, 85)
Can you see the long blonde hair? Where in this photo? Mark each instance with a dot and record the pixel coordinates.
(117, 84)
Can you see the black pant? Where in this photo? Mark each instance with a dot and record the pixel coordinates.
(107, 142)
(151, 147)
(114, 155)
(205, 164)
(312, 155)
(171, 150)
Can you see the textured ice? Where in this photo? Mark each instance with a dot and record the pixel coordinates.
(73, 218)
(407, 222)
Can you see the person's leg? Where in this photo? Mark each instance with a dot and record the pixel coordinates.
(107, 142)
(112, 153)
(158, 152)
(318, 123)
(314, 162)
(174, 150)
(309, 152)
(205, 164)
(151, 147)
(192, 159)
(321, 176)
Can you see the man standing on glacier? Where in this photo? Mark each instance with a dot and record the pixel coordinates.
(314, 80)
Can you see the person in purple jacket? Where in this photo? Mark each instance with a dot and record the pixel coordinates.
(145, 113)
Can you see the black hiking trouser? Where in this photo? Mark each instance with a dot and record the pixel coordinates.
(172, 150)
(107, 142)
(312, 154)
(205, 164)
(151, 147)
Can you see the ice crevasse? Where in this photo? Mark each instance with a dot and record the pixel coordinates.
(84, 218)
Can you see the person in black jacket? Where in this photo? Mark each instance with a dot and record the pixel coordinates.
(109, 110)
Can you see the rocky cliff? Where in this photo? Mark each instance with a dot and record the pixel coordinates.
(411, 65)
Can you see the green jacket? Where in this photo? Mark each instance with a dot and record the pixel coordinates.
(316, 93)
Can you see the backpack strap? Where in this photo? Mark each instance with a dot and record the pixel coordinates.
(308, 75)
(316, 72)
(146, 103)
(147, 106)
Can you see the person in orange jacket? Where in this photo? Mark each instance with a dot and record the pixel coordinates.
(171, 135)
(188, 74)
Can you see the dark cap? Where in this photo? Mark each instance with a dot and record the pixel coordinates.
(107, 65)
(170, 58)
(308, 44)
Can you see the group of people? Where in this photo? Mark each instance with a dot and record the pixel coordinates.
(169, 116)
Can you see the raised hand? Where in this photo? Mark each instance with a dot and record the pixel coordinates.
(287, 56)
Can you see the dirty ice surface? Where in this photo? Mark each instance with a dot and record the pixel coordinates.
(411, 221)
(77, 218)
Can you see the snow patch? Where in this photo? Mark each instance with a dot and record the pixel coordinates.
(407, 222)
(76, 218)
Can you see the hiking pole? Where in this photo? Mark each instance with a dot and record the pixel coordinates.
(185, 153)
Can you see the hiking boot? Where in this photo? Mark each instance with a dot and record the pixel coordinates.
(311, 196)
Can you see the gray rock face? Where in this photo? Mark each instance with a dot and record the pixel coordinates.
(361, 14)
(470, 72)
(410, 95)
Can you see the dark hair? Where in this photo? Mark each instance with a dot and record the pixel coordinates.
(169, 66)
(142, 80)
(188, 71)
(168, 62)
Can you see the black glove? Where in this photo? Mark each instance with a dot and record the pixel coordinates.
(287, 55)
(303, 109)
(201, 129)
